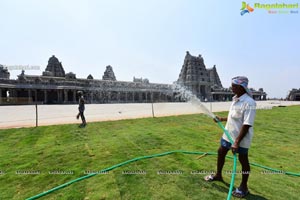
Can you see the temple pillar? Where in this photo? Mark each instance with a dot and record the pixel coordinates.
(126, 97)
(133, 97)
(65, 96)
(151, 96)
(59, 96)
(74, 96)
(146, 97)
(29, 96)
(45, 96)
(14, 93)
(92, 96)
(35, 93)
(119, 97)
(108, 97)
(140, 96)
(100, 97)
(0, 96)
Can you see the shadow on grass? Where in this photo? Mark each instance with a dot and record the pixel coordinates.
(221, 188)
(254, 197)
(225, 189)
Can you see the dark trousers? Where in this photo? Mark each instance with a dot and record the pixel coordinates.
(82, 117)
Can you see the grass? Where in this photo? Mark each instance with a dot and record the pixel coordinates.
(101, 145)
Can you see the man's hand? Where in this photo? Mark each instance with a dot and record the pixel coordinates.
(242, 134)
(221, 119)
(217, 118)
(235, 147)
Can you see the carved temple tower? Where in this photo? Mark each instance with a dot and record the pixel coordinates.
(214, 77)
(195, 76)
(4, 74)
(54, 68)
(109, 74)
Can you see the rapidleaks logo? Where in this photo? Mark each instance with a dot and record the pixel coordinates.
(246, 8)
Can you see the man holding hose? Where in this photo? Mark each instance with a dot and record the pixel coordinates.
(239, 124)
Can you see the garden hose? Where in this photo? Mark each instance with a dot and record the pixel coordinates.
(147, 157)
(234, 158)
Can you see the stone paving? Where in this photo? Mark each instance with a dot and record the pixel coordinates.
(25, 116)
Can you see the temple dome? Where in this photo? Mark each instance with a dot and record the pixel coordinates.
(55, 67)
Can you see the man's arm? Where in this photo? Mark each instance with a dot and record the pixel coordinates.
(242, 134)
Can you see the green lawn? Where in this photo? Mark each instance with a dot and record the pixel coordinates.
(104, 144)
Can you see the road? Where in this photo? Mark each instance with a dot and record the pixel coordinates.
(25, 115)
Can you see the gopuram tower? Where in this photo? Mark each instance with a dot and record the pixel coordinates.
(195, 77)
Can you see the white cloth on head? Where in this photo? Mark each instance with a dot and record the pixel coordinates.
(242, 81)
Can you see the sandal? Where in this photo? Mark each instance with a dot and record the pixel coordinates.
(210, 178)
(240, 193)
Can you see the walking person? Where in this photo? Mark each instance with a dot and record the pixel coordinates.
(81, 109)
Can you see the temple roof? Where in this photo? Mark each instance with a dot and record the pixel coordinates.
(193, 70)
(109, 74)
(54, 67)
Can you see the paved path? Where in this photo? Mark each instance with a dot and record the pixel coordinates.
(25, 116)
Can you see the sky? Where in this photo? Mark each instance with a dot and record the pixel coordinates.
(149, 39)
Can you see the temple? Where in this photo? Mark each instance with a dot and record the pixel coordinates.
(55, 86)
(206, 83)
(294, 95)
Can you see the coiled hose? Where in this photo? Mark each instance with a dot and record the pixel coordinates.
(148, 157)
